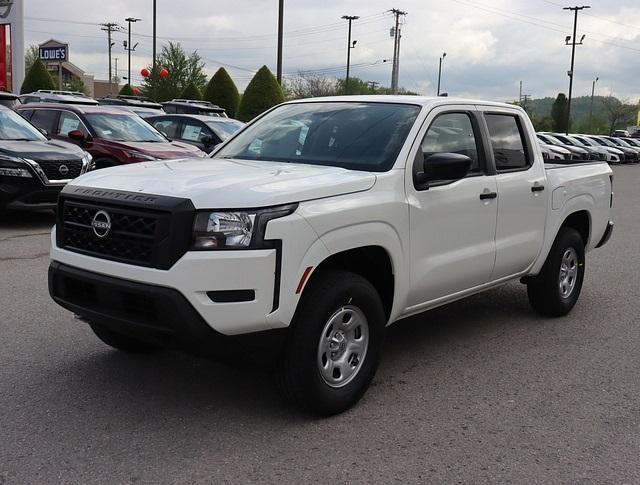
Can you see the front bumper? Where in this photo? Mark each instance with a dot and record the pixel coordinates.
(198, 276)
(155, 314)
(27, 193)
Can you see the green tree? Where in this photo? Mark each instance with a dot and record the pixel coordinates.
(126, 90)
(544, 123)
(222, 91)
(37, 77)
(262, 93)
(620, 114)
(559, 113)
(183, 69)
(30, 56)
(75, 84)
(191, 91)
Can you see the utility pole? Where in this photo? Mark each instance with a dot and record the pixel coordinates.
(593, 90)
(444, 54)
(280, 35)
(373, 85)
(116, 62)
(130, 48)
(109, 28)
(520, 96)
(573, 55)
(524, 101)
(349, 18)
(395, 31)
(153, 62)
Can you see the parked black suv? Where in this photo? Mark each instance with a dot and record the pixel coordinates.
(33, 169)
(193, 107)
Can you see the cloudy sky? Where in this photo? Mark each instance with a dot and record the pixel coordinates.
(491, 44)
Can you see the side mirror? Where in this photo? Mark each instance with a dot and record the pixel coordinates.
(444, 166)
(76, 135)
(207, 140)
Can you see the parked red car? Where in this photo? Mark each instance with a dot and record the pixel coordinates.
(111, 135)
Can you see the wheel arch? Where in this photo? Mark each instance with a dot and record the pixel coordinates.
(372, 262)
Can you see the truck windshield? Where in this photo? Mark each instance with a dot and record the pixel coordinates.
(352, 135)
(123, 127)
(15, 127)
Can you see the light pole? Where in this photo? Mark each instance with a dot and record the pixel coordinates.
(573, 56)
(129, 48)
(280, 35)
(350, 46)
(593, 90)
(444, 54)
(153, 62)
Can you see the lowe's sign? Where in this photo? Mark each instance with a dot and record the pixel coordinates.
(53, 54)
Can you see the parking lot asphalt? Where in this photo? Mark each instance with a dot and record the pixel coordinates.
(479, 391)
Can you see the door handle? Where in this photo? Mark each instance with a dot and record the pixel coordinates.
(537, 188)
(488, 195)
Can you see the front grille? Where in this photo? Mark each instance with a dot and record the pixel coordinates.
(51, 169)
(132, 238)
(145, 229)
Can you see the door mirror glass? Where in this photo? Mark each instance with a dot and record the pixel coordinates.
(76, 135)
(445, 167)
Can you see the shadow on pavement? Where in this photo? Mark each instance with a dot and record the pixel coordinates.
(27, 220)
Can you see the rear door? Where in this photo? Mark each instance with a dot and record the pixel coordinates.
(452, 223)
(522, 195)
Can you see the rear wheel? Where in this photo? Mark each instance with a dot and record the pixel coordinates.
(122, 342)
(334, 345)
(555, 291)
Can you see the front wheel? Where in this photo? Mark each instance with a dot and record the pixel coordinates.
(555, 291)
(334, 345)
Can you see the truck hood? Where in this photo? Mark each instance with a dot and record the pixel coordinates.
(218, 183)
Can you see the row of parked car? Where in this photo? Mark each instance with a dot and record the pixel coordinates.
(46, 143)
(612, 149)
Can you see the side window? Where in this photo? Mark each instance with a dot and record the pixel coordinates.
(168, 127)
(169, 109)
(69, 122)
(26, 113)
(45, 119)
(192, 132)
(452, 133)
(507, 142)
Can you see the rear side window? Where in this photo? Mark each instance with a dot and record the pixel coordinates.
(45, 119)
(507, 142)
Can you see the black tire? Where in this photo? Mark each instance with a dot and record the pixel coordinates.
(122, 342)
(544, 290)
(103, 163)
(298, 373)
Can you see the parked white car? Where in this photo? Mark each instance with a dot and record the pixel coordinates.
(319, 224)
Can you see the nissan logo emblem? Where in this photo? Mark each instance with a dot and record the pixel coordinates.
(101, 224)
(63, 169)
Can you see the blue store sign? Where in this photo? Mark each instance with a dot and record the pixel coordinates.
(53, 54)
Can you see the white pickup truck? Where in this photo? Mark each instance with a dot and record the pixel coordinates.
(319, 224)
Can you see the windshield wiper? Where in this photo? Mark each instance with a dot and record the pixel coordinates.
(18, 139)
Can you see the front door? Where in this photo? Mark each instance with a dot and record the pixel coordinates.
(452, 223)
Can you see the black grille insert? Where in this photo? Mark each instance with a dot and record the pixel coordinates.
(55, 169)
(145, 230)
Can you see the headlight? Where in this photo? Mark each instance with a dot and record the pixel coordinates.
(234, 229)
(138, 155)
(13, 167)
